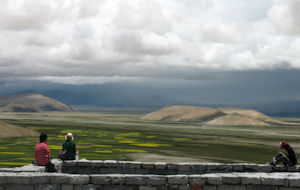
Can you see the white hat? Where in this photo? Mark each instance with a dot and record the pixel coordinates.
(69, 136)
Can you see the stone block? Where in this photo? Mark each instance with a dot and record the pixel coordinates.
(173, 187)
(184, 187)
(2, 179)
(147, 188)
(159, 172)
(110, 170)
(172, 166)
(84, 170)
(19, 187)
(125, 164)
(160, 166)
(261, 187)
(83, 163)
(111, 164)
(69, 164)
(251, 168)
(128, 171)
(231, 179)
(108, 179)
(197, 180)
(18, 178)
(272, 180)
(142, 171)
(47, 187)
(120, 187)
(156, 180)
(162, 187)
(231, 187)
(96, 163)
(212, 167)
(135, 165)
(279, 169)
(183, 167)
(66, 187)
(87, 187)
(95, 170)
(178, 179)
(171, 172)
(213, 179)
(1, 187)
(70, 170)
(294, 181)
(198, 168)
(40, 179)
(210, 187)
(250, 179)
(148, 165)
(237, 168)
(70, 179)
(135, 179)
(264, 168)
(288, 188)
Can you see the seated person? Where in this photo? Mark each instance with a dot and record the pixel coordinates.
(287, 159)
(70, 146)
(42, 154)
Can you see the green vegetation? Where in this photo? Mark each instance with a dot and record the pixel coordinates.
(101, 136)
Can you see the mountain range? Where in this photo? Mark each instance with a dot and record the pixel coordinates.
(31, 102)
(211, 116)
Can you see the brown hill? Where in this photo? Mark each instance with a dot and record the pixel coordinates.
(236, 119)
(254, 115)
(184, 113)
(210, 116)
(31, 103)
(8, 130)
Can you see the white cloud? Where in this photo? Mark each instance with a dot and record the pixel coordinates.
(74, 40)
(220, 32)
(285, 16)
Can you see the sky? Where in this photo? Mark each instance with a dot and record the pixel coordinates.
(152, 52)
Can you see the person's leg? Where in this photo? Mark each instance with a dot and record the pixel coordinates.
(282, 158)
(275, 159)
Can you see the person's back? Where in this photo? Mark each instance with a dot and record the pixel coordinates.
(70, 146)
(42, 154)
(71, 150)
(291, 154)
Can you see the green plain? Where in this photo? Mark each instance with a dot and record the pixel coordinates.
(112, 136)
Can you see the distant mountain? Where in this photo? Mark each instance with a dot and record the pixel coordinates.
(31, 102)
(8, 130)
(210, 116)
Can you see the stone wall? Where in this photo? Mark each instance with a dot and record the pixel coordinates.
(126, 167)
(185, 176)
(220, 181)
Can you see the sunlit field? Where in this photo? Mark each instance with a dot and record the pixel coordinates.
(101, 136)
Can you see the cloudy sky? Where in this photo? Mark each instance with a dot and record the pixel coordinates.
(195, 51)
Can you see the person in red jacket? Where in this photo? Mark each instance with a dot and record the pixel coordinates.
(42, 154)
(288, 158)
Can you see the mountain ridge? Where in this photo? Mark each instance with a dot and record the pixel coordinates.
(213, 116)
(31, 102)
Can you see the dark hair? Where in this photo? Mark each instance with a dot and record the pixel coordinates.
(43, 137)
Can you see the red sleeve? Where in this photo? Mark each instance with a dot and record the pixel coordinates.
(47, 150)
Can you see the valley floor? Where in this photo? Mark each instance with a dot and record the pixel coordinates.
(102, 136)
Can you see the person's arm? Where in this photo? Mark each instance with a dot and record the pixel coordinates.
(48, 153)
